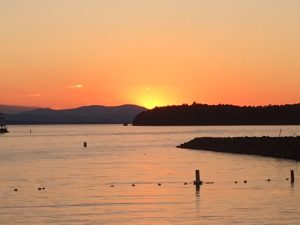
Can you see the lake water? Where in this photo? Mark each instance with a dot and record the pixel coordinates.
(78, 180)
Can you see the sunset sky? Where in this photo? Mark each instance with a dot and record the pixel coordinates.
(69, 53)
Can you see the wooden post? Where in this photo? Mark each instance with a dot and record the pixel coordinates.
(197, 190)
(197, 181)
(292, 177)
(280, 132)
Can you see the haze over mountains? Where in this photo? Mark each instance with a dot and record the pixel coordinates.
(94, 114)
(12, 109)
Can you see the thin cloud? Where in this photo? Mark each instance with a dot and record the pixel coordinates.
(34, 95)
(76, 86)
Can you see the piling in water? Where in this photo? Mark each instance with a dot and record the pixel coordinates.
(197, 181)
(292, 177)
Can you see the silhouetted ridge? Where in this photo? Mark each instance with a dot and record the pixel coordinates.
(202, 114)
(83, 115)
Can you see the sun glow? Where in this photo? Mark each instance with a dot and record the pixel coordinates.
(150, 104)
(150, 97)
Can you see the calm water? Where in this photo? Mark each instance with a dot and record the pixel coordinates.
(77, 180)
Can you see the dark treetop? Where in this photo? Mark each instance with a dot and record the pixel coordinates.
(202, 114)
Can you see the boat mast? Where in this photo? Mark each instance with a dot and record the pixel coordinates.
(2, 123)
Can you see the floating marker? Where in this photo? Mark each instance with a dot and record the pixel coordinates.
(16, 189)
(209, 182)
(245, 181)
(85, 144)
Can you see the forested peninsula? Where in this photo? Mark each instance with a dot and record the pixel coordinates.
(203, 114)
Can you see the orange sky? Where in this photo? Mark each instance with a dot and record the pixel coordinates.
(64, 54)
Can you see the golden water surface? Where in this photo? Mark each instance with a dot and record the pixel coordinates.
(94, 185)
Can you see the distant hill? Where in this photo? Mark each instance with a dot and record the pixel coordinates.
(202, 114)
(12, 109)
(83, 115)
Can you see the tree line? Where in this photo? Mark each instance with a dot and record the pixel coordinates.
(222, 114)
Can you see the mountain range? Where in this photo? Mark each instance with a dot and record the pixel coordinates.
(94, 114)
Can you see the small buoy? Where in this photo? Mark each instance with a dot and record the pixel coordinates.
(159, 184)
(245, 181)
(16, 189)
(268, 180)
(85, 144)
(235, 182)
(286, 178)
(133, 185)
(185, 183)
(39, 188)
(112, 185)
(43, 188)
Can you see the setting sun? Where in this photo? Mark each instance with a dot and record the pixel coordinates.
(151, 104)
(150, 97)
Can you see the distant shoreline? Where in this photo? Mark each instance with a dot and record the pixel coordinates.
(29, 124)
(130, 124)
(277, 147)
(93, 114)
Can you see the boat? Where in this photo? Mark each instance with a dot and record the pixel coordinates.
(3, 128)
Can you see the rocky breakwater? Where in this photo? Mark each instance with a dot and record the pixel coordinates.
(278, 147)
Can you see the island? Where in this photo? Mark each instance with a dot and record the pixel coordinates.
(203, 114)
(278, 147)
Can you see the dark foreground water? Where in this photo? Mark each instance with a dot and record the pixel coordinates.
(78, 180)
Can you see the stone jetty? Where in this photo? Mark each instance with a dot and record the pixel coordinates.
(278, 147)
